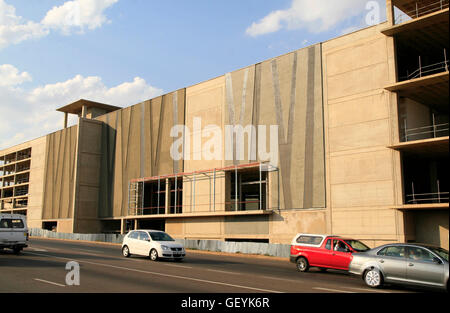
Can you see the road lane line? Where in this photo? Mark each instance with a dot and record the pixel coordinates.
(38, 249)
(332, 290)
(49, 282)
(367, 290)
(181, 266)
(160, 274)
(225, 272)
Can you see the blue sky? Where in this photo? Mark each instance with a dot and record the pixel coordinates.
(53, 52)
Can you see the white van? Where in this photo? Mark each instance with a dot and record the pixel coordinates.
(13, 232)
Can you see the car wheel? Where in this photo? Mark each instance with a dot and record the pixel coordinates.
(126, 252)
(17, 250)
(153, 255)
(302, 265)
(373, 278)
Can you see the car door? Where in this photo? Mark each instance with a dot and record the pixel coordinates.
(132, 242)
(341, 255)
(144, 243)
(323, 256)
(392, 262)
(424, 267)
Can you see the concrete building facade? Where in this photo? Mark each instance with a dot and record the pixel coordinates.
(362, 147)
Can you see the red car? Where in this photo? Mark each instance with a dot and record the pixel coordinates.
(324, 251)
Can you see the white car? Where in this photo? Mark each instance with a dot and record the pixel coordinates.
(152, 243)
(13, 232)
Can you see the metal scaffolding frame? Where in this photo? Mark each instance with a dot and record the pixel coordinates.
(136, 190)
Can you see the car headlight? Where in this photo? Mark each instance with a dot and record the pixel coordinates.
(165, 248)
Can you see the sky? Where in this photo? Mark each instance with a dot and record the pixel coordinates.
(122, 52)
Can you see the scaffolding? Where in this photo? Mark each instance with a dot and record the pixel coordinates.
(164, 195)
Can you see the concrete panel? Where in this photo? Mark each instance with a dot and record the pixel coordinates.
(432, 227)
(288, 93)
(361, 167)
(246, 225)
(205, 101)
(211, 226)
(365, 194)
(357, 136)
(358, 110)
(60, 174)
(366, 224)
(286, 224)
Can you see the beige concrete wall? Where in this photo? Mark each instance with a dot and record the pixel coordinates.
(87, 173)
(36, 187)
(135, 144)
(363, 175)
(429, 226)
(204, 101)
(60, 163)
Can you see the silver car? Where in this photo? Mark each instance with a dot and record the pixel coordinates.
(408, 264)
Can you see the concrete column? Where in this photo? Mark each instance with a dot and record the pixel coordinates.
(66, 117)
(168, 194)
(122, 226)
(83, 111)
(390, 13)
(136, 224)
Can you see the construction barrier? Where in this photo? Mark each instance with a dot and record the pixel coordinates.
(268, 249)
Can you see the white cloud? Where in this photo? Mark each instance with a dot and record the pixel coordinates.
(315, 16)
(28, 114)
(78, 14)
(72, 16)
(13, 29)
(10, 76)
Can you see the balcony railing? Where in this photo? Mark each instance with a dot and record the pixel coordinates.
(426, 132)
(431, 197)
(426, 70)
(420, 11)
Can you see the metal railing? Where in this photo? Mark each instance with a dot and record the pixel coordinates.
(426, 132)
(430, 197)
(420, 11)
(427, 69)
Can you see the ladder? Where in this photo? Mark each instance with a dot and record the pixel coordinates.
(135, 198)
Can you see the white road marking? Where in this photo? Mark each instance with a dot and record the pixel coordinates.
(49, 282)
(160, 274)
(174, 265)
(38, 249)
(225, 272)
(283, 279)
(332, 290)
(367, 290)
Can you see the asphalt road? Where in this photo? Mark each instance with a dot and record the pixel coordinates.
(41, 268)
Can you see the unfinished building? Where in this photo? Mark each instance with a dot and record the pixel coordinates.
(362, 148)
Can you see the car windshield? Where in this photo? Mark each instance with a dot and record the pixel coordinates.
(161, 237)
(357, 245)
(441, 252)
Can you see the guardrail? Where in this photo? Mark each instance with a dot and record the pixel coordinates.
(426, 132)
(268, 249)
(420, 11)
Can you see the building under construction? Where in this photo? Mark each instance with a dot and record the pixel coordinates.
(362, 148)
